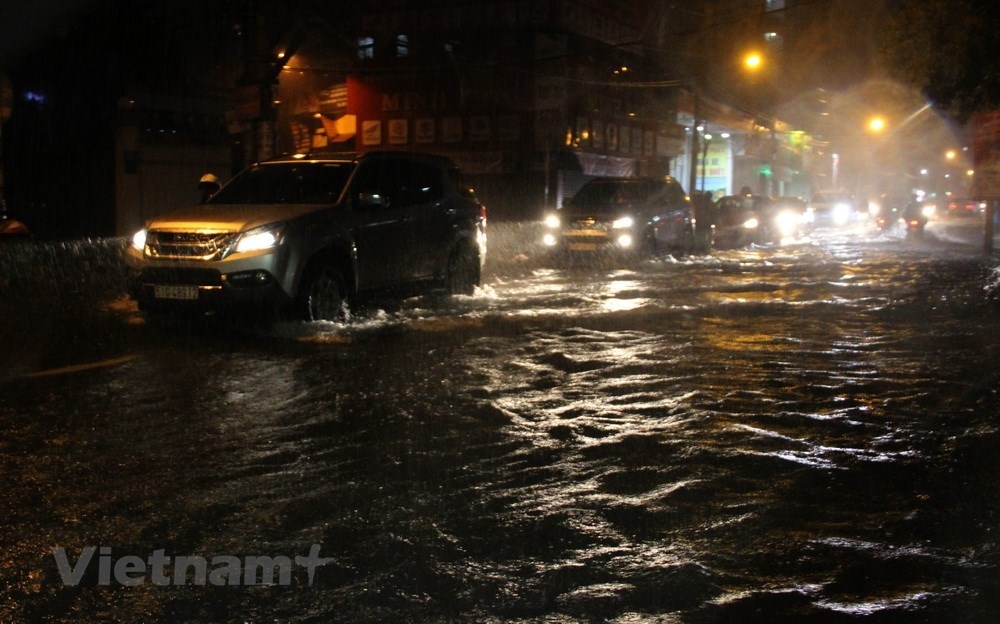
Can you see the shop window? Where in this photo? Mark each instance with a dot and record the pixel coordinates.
(402, 46)
(366, 48)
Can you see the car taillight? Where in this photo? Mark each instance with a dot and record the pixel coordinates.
(482, 212)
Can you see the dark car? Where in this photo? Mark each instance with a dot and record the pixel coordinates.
(643, 215)
(306, 235)
(832, 209)
(963, 207)
(742, 220)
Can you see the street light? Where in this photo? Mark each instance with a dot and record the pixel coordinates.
(876, 124)
(753, 61)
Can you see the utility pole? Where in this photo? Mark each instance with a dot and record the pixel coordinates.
(693, 172)
(988, 229)
(6, 105)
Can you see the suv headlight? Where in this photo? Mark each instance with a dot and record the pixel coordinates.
(622, 223)
(139, 240)
(259, 238)
(552, 221)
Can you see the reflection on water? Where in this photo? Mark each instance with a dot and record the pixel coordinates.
(798, 434)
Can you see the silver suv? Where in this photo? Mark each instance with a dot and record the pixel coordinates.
(306, 235)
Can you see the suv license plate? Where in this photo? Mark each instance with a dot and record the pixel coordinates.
(582, 246)
(187, 293)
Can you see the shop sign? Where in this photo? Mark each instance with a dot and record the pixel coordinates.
(371, 133)
(399, 132)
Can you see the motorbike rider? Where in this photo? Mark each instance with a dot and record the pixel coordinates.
(913, 214)
(914, 209)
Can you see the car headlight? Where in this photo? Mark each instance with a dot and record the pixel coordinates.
(787, 221)
(139, 240)
(552, 221)
(622, 223)
(928, 210)
(751, 223)
(259, 238)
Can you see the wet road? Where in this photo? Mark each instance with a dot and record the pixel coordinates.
(798, 433)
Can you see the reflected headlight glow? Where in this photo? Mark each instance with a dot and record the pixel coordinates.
(552, 221)
(625, 241)
(622, 223)
(139, 240)
(258, 239)
(549, 240)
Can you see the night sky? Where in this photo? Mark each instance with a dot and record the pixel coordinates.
(70, 62)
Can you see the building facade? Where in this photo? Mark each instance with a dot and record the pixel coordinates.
(531, 98)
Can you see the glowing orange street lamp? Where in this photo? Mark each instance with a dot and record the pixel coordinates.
(753, 61)
(876, 124)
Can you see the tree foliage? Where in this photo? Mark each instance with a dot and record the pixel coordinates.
(948, 49)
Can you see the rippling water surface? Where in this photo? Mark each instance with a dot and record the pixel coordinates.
(804, 433)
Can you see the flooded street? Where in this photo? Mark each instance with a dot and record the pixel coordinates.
(806, 432)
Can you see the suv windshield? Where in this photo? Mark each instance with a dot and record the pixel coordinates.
(827, 197)
(608, 196)
(287, 183)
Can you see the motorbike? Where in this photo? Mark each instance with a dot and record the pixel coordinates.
(886, 222)
(915, 226)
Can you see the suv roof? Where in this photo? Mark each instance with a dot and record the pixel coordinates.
(356, 157)
(830, 196)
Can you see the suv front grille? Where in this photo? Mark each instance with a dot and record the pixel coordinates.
(189, 245)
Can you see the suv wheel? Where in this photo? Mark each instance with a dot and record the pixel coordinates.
(463, 271)
(324, 296)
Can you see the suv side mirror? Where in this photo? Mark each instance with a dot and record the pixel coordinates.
(208, 185)
(372, 200)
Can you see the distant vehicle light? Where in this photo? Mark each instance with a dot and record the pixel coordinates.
(928, 210)
(751, 224)
(622, 223)
(549, 240)
(625, 241)
(552, 221)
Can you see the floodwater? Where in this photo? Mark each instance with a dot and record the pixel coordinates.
(796, 433)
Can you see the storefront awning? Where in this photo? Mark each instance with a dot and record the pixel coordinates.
(605, 166)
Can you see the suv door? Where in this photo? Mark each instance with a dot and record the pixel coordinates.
(381, 228)
(422, 191)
